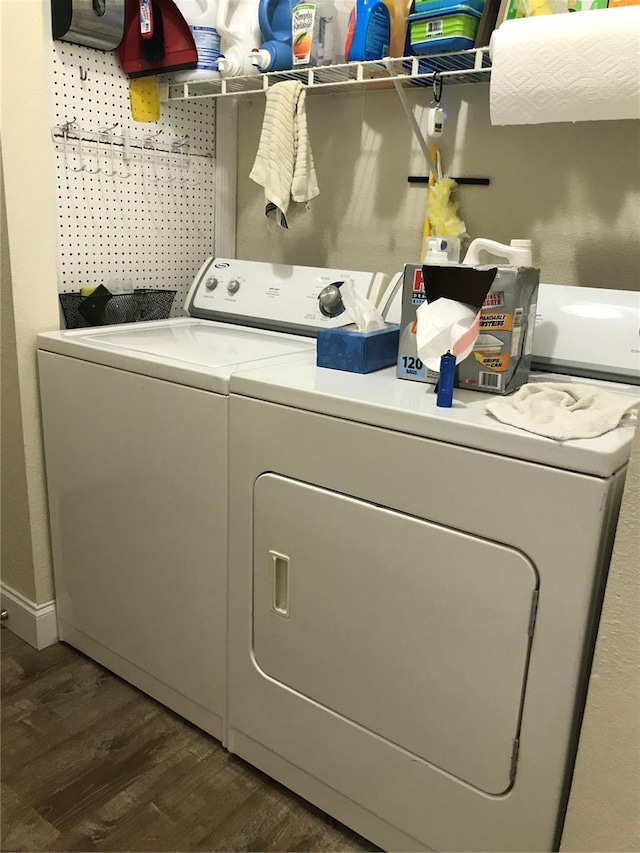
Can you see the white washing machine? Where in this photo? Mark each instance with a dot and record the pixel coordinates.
(414, 594)
(135, 431)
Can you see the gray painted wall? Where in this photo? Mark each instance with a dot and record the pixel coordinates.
(573, 189)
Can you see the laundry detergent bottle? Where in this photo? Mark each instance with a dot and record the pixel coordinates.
(202, 17)
(399, 9)
(369, 32)
(517, 253)
(275, 54)
(239, 31)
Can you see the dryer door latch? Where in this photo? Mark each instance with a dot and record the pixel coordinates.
(279, 583)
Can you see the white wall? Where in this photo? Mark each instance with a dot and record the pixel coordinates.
(32, 295)
(604, 807)
(573, 189)
(15, 546)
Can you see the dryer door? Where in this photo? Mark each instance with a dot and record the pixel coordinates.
(416, 632)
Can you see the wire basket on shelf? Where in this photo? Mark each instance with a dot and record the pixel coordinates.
(136, 307)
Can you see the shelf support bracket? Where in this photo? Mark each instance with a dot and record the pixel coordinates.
(406, 106)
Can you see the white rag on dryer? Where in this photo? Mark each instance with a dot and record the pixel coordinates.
(563, 410)
(284, 162)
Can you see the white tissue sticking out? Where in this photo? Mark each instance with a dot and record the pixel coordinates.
(445, 326)
(362, 312)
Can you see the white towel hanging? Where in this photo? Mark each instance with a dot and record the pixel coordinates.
(284, 162)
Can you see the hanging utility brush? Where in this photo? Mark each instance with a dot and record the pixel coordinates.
(151, 30)
(157, 39)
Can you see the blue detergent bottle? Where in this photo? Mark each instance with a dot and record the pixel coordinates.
(275, 53)
(369, 32)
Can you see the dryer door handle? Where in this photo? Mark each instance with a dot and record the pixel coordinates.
(279, 570)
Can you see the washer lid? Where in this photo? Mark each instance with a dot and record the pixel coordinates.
(588, 331)
(199, 353)
(382, 400)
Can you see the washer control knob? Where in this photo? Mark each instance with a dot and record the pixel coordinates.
(330, 301)
(233, 286)
(211, 283)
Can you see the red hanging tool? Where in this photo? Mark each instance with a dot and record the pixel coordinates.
(157, 39)
(146, 19)
(151, 31)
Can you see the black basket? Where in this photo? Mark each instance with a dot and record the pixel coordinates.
(136, 307)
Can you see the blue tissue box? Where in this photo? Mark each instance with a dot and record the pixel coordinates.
(358, 352)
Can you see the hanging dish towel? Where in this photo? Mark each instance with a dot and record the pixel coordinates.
(284, 162)
(562, 410)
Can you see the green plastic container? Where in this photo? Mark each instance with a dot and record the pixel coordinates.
(430, 32)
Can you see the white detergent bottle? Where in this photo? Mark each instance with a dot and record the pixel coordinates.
(239, 35)
(517, 253)
(202, 17)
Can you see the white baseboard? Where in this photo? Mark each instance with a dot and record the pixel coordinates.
(35, 623)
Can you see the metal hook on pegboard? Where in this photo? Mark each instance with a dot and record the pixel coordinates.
(108, 133)
(150, 143)
(179, 145)
(65, 129)
(126, 154)
(97, 156)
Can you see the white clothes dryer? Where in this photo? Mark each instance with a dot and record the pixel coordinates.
(413, 598)
(135, 432)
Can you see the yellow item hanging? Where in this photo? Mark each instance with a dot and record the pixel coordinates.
(441, 211)
(144, 98)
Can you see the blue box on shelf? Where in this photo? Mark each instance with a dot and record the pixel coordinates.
(358, 352)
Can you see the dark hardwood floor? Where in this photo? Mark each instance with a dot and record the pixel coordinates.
(89, 763)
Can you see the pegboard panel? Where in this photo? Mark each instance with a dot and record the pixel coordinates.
(153, 228)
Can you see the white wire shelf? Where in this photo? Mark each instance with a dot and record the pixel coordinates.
(467, 66)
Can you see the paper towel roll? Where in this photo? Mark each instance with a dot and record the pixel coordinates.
(579, 66)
